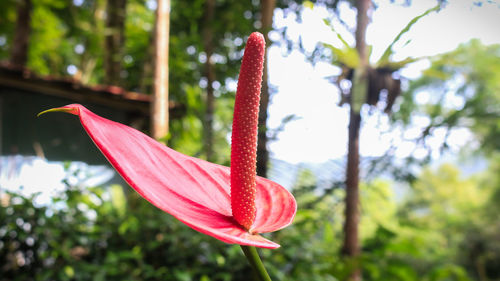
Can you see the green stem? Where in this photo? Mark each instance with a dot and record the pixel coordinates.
(256, 263)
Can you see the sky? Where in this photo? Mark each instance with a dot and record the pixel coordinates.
(320, 133)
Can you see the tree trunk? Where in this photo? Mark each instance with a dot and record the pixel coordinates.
(351, 247)
(267, 9)
(145, 82)
(114, 41)
(208, 45)
(159, 106)
(88, 60)
(19, 50)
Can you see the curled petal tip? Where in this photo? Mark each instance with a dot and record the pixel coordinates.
(66, 109)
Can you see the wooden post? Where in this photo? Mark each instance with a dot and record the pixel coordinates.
(159, 106)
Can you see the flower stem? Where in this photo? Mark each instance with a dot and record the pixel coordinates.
(256, 263)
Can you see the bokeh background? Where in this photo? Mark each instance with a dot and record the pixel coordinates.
(429, 162)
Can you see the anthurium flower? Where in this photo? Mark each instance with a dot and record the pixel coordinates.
(232, 206)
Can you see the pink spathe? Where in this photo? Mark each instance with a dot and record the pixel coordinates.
(193, 190)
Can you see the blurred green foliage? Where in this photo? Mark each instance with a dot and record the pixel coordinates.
(106, 234)
(444, 228)
(68, 40)
(464, 92)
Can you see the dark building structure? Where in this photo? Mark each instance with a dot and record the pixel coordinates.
(60, 138)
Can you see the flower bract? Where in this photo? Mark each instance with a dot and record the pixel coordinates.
(193, 190)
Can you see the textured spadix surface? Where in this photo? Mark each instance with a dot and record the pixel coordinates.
(244, 135)
(194, 191)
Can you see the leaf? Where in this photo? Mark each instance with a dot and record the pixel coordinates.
(346, 55)
(194, 191)
(388, 52)
(396, 65)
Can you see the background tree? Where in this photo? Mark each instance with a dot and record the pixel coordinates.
(351, 247)
(368, 84)
(267, 10)
(114, 40)
(20, 44)
(208, 46)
